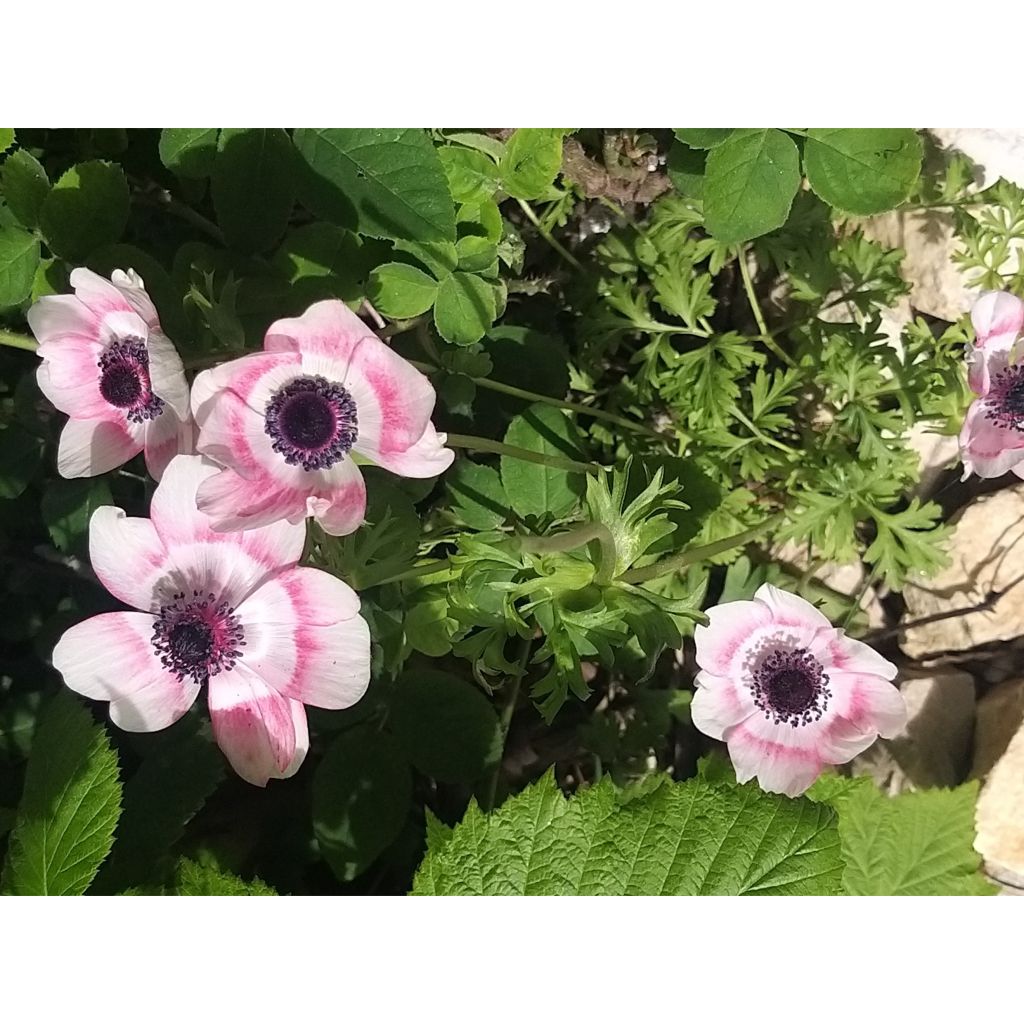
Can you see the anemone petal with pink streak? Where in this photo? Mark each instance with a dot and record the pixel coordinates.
(230, 612)
(285, 424)
(107, 364)
(788, 692)
(997, 318)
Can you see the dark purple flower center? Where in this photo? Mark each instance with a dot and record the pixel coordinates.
(312, 422)
(790, 686)
(196, 637)
(1004, 404)
(124, 380)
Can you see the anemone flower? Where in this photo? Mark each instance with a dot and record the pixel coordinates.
(992, 436)
(788, 692)
(285, 423)
(109, 366)
(230, 612)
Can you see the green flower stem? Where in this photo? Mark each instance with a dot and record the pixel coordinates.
(748, 287)
(547, 236)
(485, 444)
(12, 340)
(576, 538)
(681, 559)
(558, 403)
(514, 684)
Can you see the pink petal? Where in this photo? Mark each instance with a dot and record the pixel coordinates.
(166, 373)
(252, 378)
(777, 755)
(164, 437)
(732, 625)
(790, 610)
(262, 734)
(91, 447)
(111, 657)
(718, 704)
(872, 705)
(233, 503)
(97, 293)
(841, 653)
(54, 319)
(987, 449)
(128, 557)
(996, 314)
(327, 328)
(304, 636)
(69, 377)
(340, 508)
(428, 457)
(133, 288)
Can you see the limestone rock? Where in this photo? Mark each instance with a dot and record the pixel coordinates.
(1000, 717)
(934, 748)
(986, 554)
(996, 152)
(935, 452)
(1000, 816)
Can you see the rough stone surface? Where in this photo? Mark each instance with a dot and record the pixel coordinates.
(935, 452)
(1000, 817)
(934, 748)
(986, 554)
(995, 152)
(1000, 717)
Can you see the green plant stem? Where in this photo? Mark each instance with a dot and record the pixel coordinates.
(428, 569)
(558, 403)
(485, 444)
(748, 287)
(547, 236)
(576, 538)
(758, 433)
(681, 559)
(12, 340)
(514, 685)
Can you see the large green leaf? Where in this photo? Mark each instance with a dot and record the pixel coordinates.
(703, 138)
(19, 258)
(86, 209)
(477, 495)
(400, 291)
(69, 808)
(749, 184)
(533, 489)
(688, 838)
(189, 152)
(915, 844)
(25, 186)
(253, 186)
(464, 309)
(862, 170)
(446, 725)
(531, 161)
(361, 796)
(387, 181)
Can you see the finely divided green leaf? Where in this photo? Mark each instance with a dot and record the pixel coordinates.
(388, 181)
(70, 806)
(253, 186)
(87, 208)
(862, 170)
(533, 489)
(19, 258)
(749, 185)
(688, 838)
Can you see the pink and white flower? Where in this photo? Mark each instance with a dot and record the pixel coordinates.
(109, 366)
(992, 436)
(788, 692)
(285, 423)
(229, 611)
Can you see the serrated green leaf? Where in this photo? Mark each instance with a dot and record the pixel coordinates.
(915, 844)
(387, 181)
(204, 880)
(253, 186)
(533, 489)
(19, 259)
(686, 166)
(322, 261)
(67, 506)
(472, 175)
(428, 709)
(862, 170)
(688, 838)
(465, 308)
(70, 806)
(401, 291)
(189, 152)
(87, 208)
(25, 186)
(6, 138)
(531, 161)
(361, 796)
(477, 495)
(165, 793)
(749, 183)
(703, 138)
